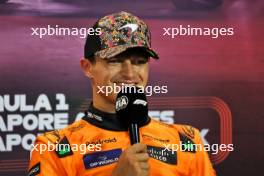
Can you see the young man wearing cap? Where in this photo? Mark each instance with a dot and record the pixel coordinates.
(119, 55)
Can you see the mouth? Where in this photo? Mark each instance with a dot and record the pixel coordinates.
(125, 83)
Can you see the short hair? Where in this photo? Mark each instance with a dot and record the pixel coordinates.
(91, 59)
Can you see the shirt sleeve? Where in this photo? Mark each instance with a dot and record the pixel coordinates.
(44, 162)
(201, 164)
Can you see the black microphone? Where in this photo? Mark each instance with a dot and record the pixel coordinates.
(132, 111)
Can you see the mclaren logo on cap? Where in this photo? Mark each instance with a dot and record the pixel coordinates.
(133, 27)
(140, 102)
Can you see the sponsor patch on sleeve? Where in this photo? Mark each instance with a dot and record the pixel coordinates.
(187, 144)
(63, 148)
(34, 170)
(97, 159)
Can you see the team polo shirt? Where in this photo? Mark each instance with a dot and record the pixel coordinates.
(93, 145)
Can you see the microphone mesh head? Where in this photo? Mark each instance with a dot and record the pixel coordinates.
(132, 107)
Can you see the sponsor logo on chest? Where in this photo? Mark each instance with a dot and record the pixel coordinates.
(160, 154)
(101, 158)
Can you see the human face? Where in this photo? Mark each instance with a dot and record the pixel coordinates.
(127, 68)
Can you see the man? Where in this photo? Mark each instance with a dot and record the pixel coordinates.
(119, 56)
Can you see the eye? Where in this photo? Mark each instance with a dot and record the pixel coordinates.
(114, 60)
(140, 61)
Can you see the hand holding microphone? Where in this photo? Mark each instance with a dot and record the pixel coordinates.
(133, 162)
(132, 111)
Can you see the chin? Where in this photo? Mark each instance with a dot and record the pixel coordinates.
(111, 97)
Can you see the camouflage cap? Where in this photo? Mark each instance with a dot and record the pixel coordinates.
(118, 32)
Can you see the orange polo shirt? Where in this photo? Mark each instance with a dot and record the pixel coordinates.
(94, 144)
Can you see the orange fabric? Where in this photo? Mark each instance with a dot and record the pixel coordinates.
(155, 134)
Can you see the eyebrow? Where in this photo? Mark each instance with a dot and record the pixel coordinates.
(130, 56)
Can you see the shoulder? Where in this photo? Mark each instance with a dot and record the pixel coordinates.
(181, 130)
(57, 135)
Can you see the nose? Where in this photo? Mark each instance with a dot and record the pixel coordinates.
(127, 70)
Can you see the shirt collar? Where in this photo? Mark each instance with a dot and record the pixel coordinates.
(105, 120)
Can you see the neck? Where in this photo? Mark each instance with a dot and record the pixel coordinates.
(103, 103)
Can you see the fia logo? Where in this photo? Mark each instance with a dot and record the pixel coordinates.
(121, 102)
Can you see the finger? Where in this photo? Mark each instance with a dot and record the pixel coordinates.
(144, 165)
(138, 148)
(142, 157)
(144, 172)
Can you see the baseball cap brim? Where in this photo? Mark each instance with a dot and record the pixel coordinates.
(113, 51)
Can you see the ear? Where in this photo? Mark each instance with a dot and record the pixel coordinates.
(87, 67)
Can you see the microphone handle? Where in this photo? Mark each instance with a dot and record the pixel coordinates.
(134, 133)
